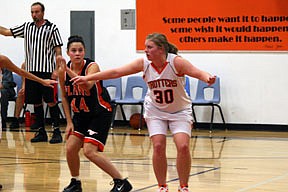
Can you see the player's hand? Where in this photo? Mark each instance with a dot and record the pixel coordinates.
(69, 129)
(211, 80)
(61, 62)
(54, 75)
(49, 83)
(79, 80)
(21, 91)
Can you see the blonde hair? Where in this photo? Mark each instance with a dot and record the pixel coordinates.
(161, 41)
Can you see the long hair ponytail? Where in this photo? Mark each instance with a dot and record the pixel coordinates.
(161, 41)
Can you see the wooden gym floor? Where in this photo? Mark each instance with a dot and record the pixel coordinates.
(224, 161)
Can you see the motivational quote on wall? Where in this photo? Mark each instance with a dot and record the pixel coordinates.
(259, 32)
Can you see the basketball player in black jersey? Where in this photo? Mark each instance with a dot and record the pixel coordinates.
(92, 117)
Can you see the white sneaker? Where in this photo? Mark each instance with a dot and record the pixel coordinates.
(163, 189)
(183, 189)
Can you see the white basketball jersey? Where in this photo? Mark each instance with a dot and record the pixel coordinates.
(166, 90)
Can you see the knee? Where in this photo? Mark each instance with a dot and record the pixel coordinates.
(70, 149)
(89, 153)
(184, 148)
(159, 148)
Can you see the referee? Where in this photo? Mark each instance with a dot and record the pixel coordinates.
(42, 44)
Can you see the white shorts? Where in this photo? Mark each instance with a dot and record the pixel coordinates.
(158, 126)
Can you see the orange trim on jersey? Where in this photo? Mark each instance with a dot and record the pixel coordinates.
(102, 102)
(95, 142)
(79, 73)
(91, 63)
(77, 134)
(99, 90)
(154, 66)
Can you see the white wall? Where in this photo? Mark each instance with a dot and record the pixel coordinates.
(253, 84)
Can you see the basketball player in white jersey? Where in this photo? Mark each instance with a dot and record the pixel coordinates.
(166, 103)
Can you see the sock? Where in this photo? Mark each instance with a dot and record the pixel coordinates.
(76, 177)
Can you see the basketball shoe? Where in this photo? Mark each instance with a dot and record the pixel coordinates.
(163, 188)
(121, 185)
(40, 136)
(183, 189)
(56, 136)
(74, 186)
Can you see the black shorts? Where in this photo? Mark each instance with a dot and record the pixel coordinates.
(92, 128)
(35, 92)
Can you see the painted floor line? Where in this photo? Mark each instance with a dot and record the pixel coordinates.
(264, 182)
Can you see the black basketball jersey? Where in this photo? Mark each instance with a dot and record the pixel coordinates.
(94, 100)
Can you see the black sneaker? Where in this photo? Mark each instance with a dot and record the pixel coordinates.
(121, 185)
(56, 137)
(14, 124)
(74, 186)
(40, 136)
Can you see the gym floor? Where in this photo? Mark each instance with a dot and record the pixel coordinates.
(221, 161)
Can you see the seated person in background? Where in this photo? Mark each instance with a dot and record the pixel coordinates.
(19, 103)
(18, 108)
(7, 93)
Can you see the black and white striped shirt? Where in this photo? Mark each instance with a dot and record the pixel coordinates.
(39, 44)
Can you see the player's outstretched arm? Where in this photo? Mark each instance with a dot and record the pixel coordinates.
(128, 69)
(5, 62)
